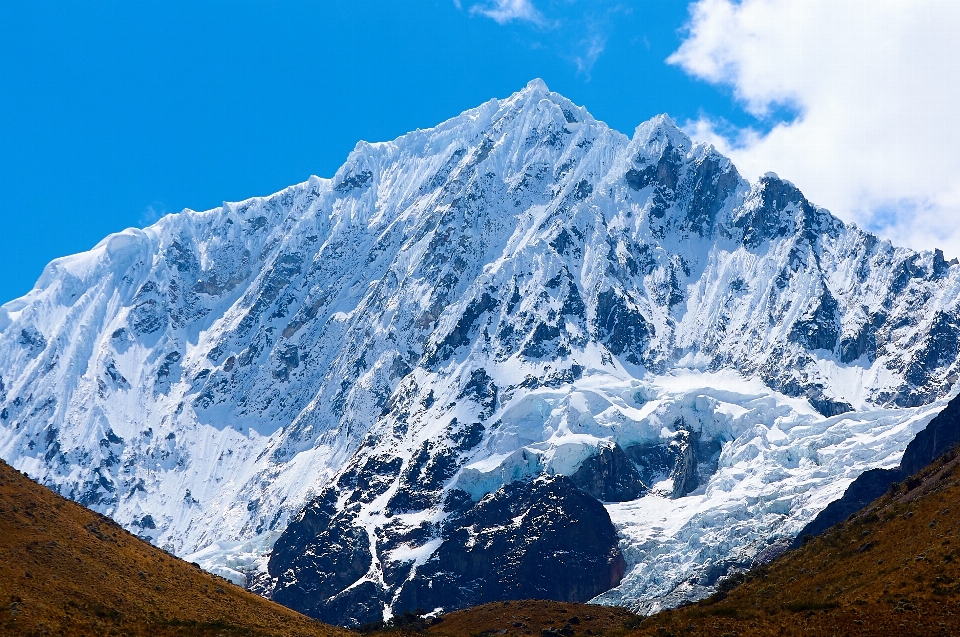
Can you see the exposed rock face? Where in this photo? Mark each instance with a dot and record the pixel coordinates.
(685, 477)
(319, 556)
(655, 462)
(609, 476)
(940, 435)
(542, 538)
(495, 299)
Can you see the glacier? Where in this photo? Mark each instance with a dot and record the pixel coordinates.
(519, 292)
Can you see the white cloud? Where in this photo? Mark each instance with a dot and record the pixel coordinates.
(503, 11)
(876, 85)
(152, 214)
(593, 46)
(577, 31)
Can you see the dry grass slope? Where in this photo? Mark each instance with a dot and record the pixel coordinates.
(65, 570)
(535, 617)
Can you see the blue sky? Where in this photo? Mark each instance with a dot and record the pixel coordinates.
(114, 113)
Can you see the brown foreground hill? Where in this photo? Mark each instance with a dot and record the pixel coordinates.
(527, 617)
(65, 570)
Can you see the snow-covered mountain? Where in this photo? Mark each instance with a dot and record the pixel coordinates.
(403, 349)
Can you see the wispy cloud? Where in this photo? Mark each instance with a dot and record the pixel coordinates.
(152, 213)
(591, 49)
(577, 31)
(504, 11)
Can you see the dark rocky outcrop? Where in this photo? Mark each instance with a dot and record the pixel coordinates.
(766, 221)
(609, 476)
(654, 462)
(620, 326)
(685, 476)
(423, 478)
(941, 434)
(820, 327)
(688, 461)
(543, 539)
(319, 555)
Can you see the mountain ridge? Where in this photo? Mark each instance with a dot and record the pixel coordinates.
(518, 291)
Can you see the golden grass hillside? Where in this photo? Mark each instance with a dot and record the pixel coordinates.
(532, 617)
(65, 570)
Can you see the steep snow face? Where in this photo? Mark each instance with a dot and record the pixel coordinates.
(518, 291)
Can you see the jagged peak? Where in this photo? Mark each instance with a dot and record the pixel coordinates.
(534, 106)
(536, 85)
(657, 133)
(531, 98)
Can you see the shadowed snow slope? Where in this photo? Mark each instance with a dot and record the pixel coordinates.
(519, 291)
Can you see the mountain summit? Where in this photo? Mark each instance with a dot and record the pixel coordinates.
(517, 339)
